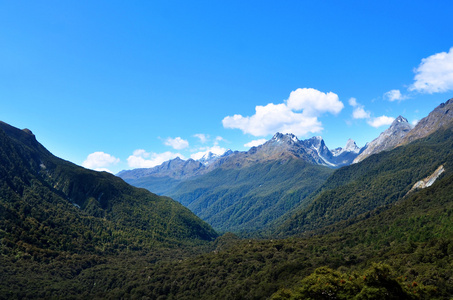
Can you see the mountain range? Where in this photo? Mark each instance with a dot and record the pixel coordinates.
(313, 150)
(227, 190)
(232, 191)
(281, 146)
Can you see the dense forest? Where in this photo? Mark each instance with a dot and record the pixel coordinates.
(407, 247)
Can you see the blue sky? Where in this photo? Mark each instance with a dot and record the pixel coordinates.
(122, 84)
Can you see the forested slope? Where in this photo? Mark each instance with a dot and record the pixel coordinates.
(379, 180)
(246, 199)
(48, 204)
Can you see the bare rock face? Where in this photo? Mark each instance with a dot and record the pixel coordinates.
(440, 117)
(428, 181)
(387, 140)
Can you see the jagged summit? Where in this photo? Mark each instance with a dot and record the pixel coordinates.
(210, 157)
(400, 119)
(388, 139)
(440, 117)
(351, 147)
(284, 137)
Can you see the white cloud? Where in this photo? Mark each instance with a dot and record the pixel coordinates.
(177, 143)
(99, 161)
(142, 159)
(298, 114)
(359, 110)
(214, 149)
(103, 170)
(353, 102)
(203, 137)
(415, 122)
(218, 139)
(394, 95)
(314, 102)
(434, 74)
(255, 143)
(380, 121)
(360, 113)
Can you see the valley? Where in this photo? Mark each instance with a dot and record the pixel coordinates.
(289, 219)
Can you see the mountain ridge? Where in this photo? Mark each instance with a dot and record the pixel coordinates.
(40, 192)
(440, 117)
(280, 146)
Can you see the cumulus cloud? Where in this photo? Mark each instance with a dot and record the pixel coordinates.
(214, 149)
(394, 95)
(380, 121)
(177, 143)
(359, 110)
(298, 114)
(360, 113)
(203, 137)
(100, 161)
(142, 159)
(434, 74)
(255, 143)
(314, 102)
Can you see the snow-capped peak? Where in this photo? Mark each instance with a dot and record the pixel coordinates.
(208, 157)
(351, 146)
(287, 137)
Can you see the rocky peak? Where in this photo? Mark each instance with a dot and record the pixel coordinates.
(388, 139)
(400, 122)
(440, 117)
(288, 138)
(316, 142)
(351, 146)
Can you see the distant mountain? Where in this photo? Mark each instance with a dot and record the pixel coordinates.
(387, 140)
(174, 168)
(280, 146)
(177, 168)
(210, 158)
(49, 204)
(344, 156)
